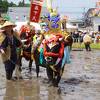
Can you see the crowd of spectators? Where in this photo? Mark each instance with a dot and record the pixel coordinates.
(78, 36)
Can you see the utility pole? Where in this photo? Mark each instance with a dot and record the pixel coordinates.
(49, 4)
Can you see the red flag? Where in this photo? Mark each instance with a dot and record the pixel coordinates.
(35, 11)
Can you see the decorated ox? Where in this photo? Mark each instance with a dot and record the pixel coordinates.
(56, 57)
(53, 55)
(26, 34)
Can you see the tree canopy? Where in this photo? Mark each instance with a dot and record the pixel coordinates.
(4, 4)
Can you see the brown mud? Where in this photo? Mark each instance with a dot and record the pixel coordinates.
(80, 81)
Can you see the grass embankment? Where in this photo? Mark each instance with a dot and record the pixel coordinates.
(93, 45)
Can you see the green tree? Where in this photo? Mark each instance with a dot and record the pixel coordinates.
(0, 2)
(1, 8)
(23, 4)
(11, 4)
(20, 4)
(4, 5)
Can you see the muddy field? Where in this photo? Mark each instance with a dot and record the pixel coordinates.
(80, 81)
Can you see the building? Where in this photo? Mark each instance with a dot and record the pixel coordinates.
(22, 13)
(78, 23)
(92, 19)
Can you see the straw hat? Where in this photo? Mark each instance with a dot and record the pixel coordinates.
(1, 29)
(7, 24)
(2, 37)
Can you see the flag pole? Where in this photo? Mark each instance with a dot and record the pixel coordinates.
(30, 10)
(49, 4)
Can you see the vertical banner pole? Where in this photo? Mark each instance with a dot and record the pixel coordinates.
(49, 4)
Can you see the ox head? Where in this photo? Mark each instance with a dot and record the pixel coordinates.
(52, 53)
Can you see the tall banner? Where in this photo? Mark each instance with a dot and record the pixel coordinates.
(35, 11)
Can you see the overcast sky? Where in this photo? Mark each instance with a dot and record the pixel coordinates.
(68, 2)
(71, 7)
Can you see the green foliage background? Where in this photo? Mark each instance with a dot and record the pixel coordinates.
(4, 5)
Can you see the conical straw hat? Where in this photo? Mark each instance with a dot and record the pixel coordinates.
(8, 23)
(1, 29)
(2, 37)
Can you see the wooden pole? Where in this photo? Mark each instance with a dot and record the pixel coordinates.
(49, 3)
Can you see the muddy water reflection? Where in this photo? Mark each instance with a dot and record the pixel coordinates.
(30, 90)
(22, 90)
(80, 81)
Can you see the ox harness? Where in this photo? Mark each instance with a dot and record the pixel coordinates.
(59, 55)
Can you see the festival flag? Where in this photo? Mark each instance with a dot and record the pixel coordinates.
(35, 11)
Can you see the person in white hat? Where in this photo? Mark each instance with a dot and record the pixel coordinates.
(87, 41)
(8, 48)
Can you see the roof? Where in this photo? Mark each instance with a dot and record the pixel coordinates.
(76, 21)
(93, 12)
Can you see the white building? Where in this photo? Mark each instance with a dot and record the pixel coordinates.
(22, 13)
(96, 23)
(92, 20)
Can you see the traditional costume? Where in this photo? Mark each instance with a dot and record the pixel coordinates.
(9, 47)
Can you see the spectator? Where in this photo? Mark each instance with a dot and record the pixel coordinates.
(87, 41)
(8, 48)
